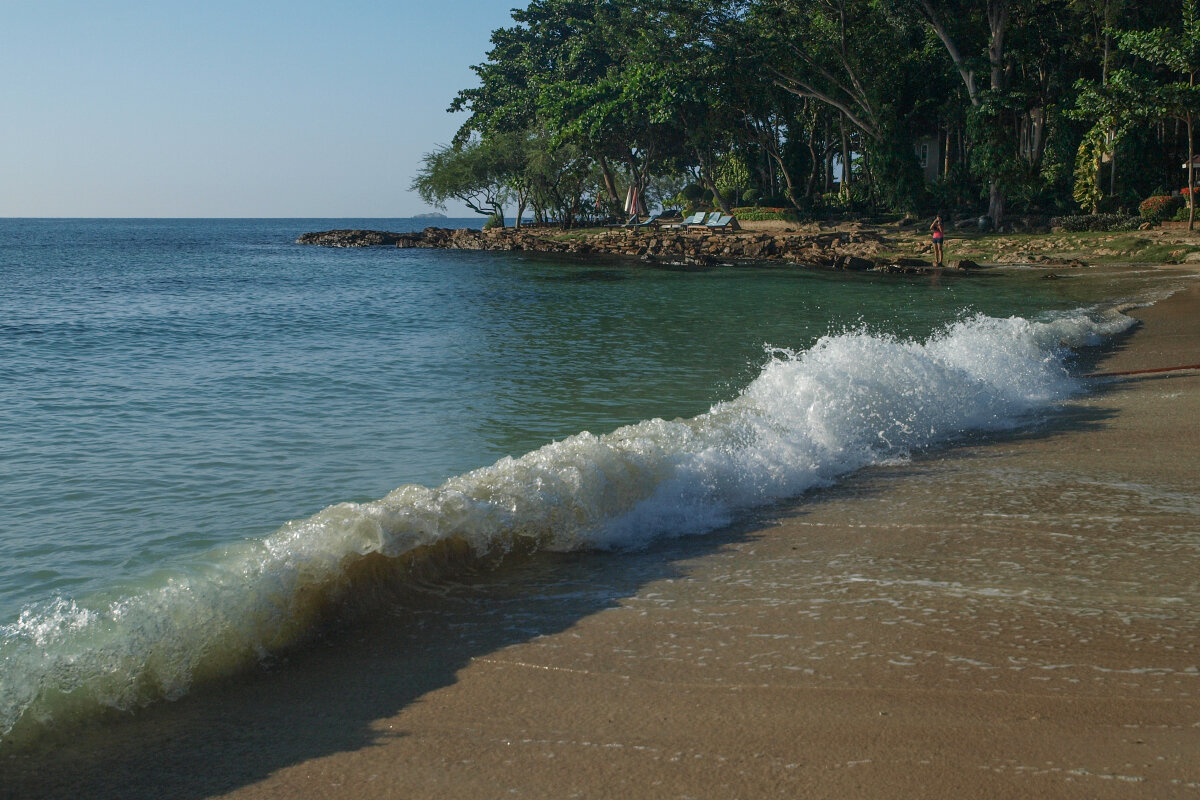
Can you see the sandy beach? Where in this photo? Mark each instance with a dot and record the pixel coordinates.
(1005, 619)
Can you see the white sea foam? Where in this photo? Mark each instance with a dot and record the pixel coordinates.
(850, 401)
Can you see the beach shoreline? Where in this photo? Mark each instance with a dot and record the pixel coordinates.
(1008, 618)
(840, 245)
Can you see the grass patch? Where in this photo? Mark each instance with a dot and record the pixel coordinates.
(1163, 253)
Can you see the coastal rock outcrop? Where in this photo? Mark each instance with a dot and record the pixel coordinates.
(854, 249)
(350, 238)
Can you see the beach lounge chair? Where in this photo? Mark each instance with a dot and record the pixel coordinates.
(723, 222)
(705, 219)
(649, 222)
(694, 219)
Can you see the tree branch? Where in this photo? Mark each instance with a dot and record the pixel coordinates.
(968, 75)
(802, 89)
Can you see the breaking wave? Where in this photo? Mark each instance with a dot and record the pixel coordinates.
(852, 400)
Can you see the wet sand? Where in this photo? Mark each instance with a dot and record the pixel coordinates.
(1008, 619)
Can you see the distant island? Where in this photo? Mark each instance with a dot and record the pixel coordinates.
(430, 215)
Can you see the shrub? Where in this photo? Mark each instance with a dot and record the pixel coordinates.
(751, 196)
(1182, 214)
(1096, 222)
(758, 214)
(1156, 208)
(494, 221)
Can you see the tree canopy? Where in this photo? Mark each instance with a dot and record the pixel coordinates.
(984, 107)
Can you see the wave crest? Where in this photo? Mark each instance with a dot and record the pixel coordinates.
(850, 401)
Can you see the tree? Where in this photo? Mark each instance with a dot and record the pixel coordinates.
(1179, 52)
(554, 42)
(557, 179)
(859, 60)
(478, 173)
(990, 151)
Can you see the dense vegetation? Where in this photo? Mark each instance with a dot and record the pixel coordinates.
(1046, 107)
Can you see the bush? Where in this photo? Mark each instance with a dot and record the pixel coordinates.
(1182, 214)
(692, 193)
(494, 221)
(758, 214)
(1096, 222)
(1156, 208)
(751, 196)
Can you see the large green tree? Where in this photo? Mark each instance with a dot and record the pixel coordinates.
(612, 94)
(1177, 51)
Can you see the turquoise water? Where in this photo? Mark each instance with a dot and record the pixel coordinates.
(172, 392)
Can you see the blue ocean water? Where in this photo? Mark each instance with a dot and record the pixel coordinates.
(180, 399)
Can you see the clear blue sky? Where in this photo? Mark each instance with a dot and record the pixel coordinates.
(229, 109)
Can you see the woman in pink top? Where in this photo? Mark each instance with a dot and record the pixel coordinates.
(938, 236)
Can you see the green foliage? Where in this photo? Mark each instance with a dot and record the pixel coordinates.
(692, 193)
(760, 213)
(579, 99)
(1087, 170)
(476, 172)
(494, 221)
(1096, 222)
(1177, 50)
(732, 176)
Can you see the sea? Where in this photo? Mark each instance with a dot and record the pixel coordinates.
(216, 443)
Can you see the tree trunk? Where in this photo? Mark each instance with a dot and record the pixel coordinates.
(718, 198)
(706, 178)
(1191, 176)
(995, 204)
(847, 171)
(827, 157)
(789, 187)
(998, 16)
(609, 184)
(946, 156)
(1112, 171)
(817, 164)
(997, 24)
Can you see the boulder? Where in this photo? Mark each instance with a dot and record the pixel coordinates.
(854, 263)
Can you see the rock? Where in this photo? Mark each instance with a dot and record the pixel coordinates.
(350, 238)
(854, 263)
(679, 261)
(966, 263)
(848, 249)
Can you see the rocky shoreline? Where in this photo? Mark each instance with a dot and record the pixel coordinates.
(844, 249)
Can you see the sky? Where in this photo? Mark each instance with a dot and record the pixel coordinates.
(230, 109)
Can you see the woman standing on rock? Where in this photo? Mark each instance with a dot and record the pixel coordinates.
(938, 237)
